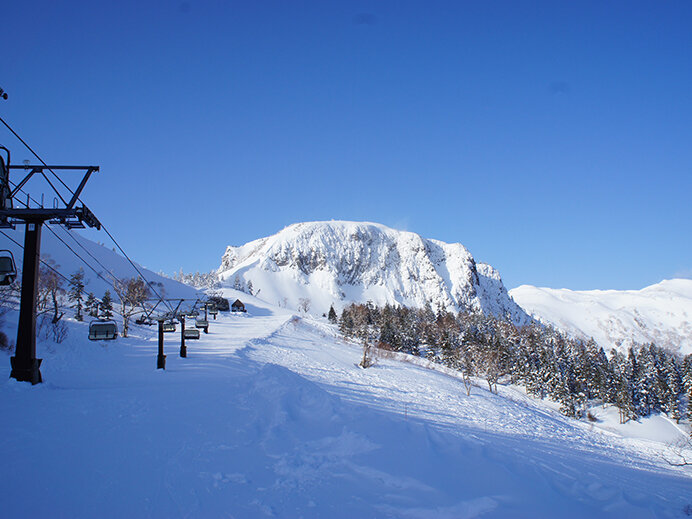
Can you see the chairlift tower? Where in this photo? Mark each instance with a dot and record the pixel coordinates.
(69, 212)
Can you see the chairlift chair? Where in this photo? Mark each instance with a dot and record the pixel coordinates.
(103, 330)
(213, 310)
(8, 270)
(191, 333)
(143, 320)
(168, 327)
(201, 323)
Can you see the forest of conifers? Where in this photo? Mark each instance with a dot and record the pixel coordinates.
(644, 380)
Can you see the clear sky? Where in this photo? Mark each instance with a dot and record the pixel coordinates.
(553, 139)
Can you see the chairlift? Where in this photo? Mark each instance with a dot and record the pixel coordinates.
(201, 323)
(191, 333)
(212, 310)
(168, 327)
(103, 330)
(143, 320)
(8, 270)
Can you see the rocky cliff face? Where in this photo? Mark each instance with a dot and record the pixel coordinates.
(340, 262)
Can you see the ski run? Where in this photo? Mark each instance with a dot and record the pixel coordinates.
(270, 416)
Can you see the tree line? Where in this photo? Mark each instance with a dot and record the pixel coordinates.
(55, 295)
(549, 364)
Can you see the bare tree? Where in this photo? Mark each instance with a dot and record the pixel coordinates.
(49, 288)
(491, 361)
(9, 296)
(369, 351)
(304, 305)
(679, 453)
(132, 293)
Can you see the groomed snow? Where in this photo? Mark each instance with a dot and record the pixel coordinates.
(269, 416)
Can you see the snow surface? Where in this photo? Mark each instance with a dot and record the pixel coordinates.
(660, 313)
(269, 416)
(339, 262)
(111, 263)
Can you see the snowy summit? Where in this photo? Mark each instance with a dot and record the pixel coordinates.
(660, 313)
(318, 264)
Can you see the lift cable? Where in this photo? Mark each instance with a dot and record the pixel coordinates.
(98, 274)
(40, 159)
(44, 263)
(105, 269)
(83, 260)
(134, 266)
(71, 249)
(102, 225)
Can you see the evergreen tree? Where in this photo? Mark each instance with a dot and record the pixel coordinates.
(106, 306)
(332, 315)
(673, 389)
(346, 324)
(91, 305)
(76, 293)
(548, 363)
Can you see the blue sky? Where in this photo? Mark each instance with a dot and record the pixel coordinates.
(550, 138)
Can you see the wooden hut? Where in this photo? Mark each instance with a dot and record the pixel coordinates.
(238, 306)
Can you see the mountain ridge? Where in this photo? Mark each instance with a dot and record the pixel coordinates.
(660, 313)
(337, 262)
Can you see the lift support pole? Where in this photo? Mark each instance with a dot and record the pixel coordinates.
(161, 358)
(25, 365)
(183, 348)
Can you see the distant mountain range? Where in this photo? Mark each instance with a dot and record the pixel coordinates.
(337, 262)
(660, 313)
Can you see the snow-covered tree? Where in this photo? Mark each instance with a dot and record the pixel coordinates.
(76, 293)
(106, 306)
(331, 316)
(91, 305)
(132, 293)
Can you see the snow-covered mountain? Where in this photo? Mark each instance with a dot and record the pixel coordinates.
(340, 262)
(660, 313)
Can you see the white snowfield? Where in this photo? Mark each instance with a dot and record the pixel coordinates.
(339, 262)
(269, 416)
(106, 263)
(660, 313)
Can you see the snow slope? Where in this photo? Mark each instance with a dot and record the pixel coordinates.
(104, 261)
(660, 313)
(341, 262)
(269, 416)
